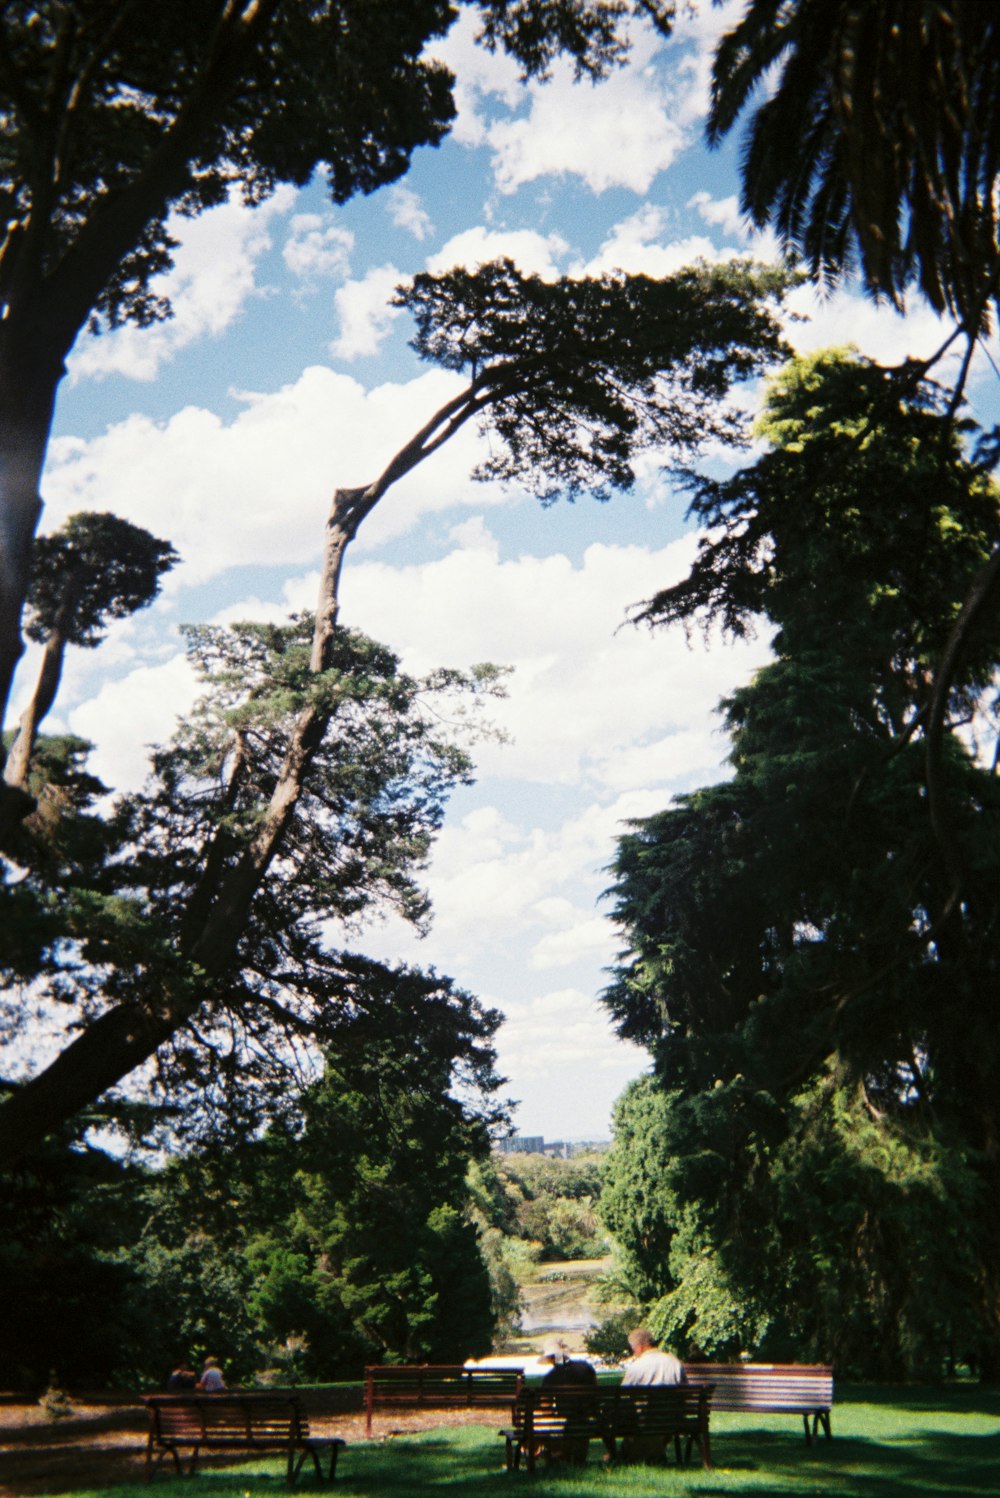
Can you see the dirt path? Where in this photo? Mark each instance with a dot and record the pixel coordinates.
(101, 1445)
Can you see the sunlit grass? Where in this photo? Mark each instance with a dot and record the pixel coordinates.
(887, 1443)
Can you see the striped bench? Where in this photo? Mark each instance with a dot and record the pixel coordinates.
(436, 1386)
(245, 1422)
(636, 1422)
(804, 1389)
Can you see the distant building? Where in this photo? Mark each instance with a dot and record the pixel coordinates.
(522, 1144)
(536, 1144)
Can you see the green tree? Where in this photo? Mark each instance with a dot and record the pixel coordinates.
(355, 844)
(115, 113)
(95, 569)
(573, 380)
(340, 1235)
(794, 939)
(875, 145)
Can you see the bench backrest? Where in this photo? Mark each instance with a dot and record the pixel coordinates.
(657, 1409)
(440, 1384)
(650, 1410)
(254, 1419)
(792, 1388)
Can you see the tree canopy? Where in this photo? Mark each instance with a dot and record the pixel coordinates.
(94, 569)
(797, 960)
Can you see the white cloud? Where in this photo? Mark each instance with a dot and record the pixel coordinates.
(722, 213)
(366, 312)
(131, 712)
(533, 253)
(833, 319)
(255, 490)
(213, 277)
(317, 247)
(481, 79)
(566, 1061)
(577, 934)
(638, 246)
(617, 133)
(407, 212)
(585, 690)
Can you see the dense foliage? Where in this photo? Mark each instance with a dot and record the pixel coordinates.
(339, 1236)
(816, 987)
(876, 142)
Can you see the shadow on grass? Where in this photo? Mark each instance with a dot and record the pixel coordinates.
(972, 1399)
(764, 1464)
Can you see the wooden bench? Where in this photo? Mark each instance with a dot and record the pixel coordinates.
(804, 1389)
(559, 1422)
(251, 1422)
(436, 1386)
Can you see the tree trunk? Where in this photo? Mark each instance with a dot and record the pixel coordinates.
(27, 400)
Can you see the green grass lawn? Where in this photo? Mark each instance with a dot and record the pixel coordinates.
(888, 1443)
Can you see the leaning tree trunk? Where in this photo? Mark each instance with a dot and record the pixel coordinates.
(128, 1034)
(27, 400)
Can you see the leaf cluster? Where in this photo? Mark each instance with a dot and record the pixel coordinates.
(576, 379)
(877, 144)
(94, 568)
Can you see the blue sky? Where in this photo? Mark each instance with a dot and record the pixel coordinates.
(284, 372)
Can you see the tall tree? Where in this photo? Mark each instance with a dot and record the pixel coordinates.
(792, 933)
(876, 145)
(114, 113)
(338, 1235)
(573, 380)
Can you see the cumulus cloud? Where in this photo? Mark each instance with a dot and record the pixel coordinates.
(131, 712)
(533, 253)
(366, 313)
(255, 490)
(722, 213)
(639, 245)
(407, 212)
(617, 133)
(558, 1044)
(482, 79)
(317, 248)
(212, 279)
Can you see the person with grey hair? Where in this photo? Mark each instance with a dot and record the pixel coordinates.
(649, 1364)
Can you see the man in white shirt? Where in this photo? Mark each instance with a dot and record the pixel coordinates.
(648, 1364)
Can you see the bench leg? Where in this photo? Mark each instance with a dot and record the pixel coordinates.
(152, 1466)
(296, 1460)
